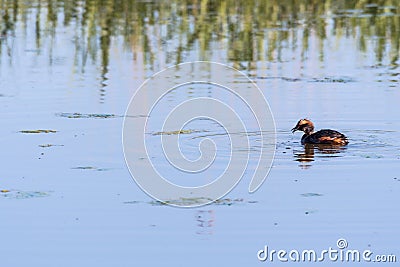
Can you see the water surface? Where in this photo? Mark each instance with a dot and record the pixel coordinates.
(69, 68)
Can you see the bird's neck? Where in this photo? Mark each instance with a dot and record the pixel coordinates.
(308, 129)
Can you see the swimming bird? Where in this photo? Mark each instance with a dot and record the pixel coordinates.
(324, 136)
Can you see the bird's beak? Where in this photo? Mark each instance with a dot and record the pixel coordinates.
(294, 129)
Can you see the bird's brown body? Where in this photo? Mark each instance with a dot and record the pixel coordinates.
(324, 136)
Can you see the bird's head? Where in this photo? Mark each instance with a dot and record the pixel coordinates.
(305, 126)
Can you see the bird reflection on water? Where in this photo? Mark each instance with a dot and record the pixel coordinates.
(310, 151)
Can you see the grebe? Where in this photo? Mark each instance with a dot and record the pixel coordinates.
(324, 136)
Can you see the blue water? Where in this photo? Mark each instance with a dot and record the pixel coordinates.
(68, 198)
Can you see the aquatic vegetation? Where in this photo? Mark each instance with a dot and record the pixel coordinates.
(76, 115)
(286, 79)
(183, 201)
(196, 200)
(16, 194)
(90, 168)
(48, 145)
(175, 132)
(311, 195)
(37, 131)
(84, 168)
(333, 80)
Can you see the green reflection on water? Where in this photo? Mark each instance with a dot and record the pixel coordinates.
(248, 31)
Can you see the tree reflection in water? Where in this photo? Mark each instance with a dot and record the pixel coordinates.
(245, 32)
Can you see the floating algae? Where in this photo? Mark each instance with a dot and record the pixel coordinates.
(16, 194)
(91, 168)
(48, 145)
(84, 168)
(343, 79)
(198, 200)
(312, 195)
(76, 115)
(175, 132)
(37, 131)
